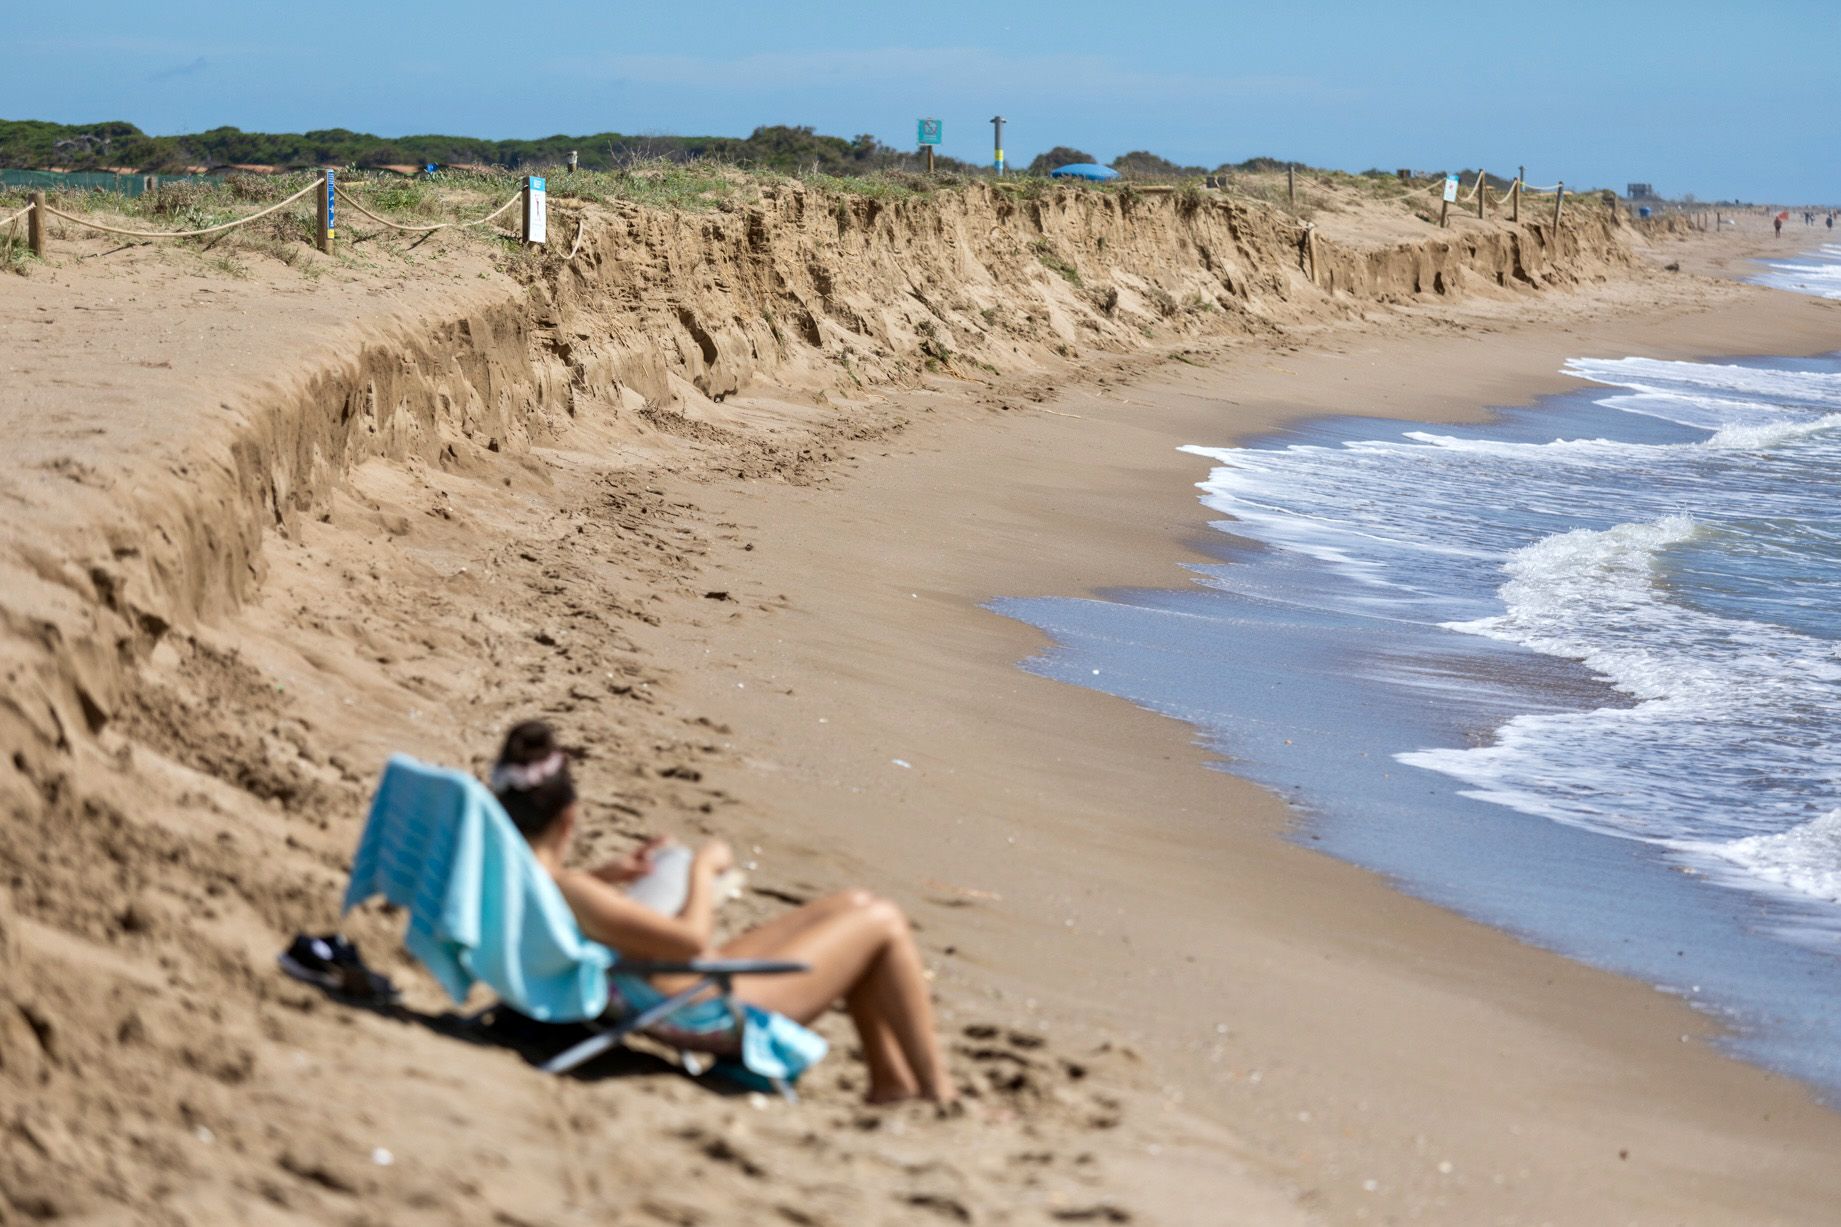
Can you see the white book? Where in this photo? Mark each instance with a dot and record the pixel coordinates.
(666, 886)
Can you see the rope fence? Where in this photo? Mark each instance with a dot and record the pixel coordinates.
(1447, 188)
(347, 198)
(1480, 193)
(176, 234)
(533, 230)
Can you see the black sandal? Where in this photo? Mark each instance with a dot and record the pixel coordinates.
(331, 962)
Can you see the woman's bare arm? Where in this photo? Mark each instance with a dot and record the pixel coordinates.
(608, 916)
(632, 929)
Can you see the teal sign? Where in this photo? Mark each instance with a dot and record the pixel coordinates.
(929, 132)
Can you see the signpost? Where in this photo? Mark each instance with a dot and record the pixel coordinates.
(328, 220)
(1444, 208)
(929, 136)
(997, 126)
(536, 210)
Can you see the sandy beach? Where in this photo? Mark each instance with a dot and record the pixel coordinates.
(754, 602)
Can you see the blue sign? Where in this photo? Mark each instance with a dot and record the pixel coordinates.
(330, 228)
(929, 132)
(536, 183)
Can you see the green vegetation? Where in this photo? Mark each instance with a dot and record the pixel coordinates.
(13, 250)
(1142, 164)
(1054, 262)
(39, 144)
(1060, 155)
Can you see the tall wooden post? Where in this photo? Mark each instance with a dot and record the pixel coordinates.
(929, 149)
(328, 215)
(1559, 198)
(1444, 211)
(1482, 192)
(1291, 182)
(1521, 177)
(35, 225)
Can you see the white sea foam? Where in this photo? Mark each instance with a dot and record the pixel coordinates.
(1820, 276)
(1701, 577)
(1761, 437)
(1805, 859)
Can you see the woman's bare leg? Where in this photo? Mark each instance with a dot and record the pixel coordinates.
(861, 950)
(891, 1078)
(766, 939)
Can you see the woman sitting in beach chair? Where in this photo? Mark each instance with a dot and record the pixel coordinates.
(859, 947)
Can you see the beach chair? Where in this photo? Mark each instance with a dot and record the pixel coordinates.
(481, 909)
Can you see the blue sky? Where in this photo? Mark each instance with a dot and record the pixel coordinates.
(1720, 99)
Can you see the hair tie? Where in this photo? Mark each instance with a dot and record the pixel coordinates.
(525, 776)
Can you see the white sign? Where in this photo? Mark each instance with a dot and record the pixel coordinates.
(537, 210)
(1451, 189)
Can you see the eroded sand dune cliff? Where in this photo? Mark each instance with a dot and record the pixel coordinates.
(258, 531)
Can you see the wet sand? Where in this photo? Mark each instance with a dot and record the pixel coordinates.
(761, 617)
(1374, 1052)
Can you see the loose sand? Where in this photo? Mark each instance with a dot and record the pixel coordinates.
(764, 618)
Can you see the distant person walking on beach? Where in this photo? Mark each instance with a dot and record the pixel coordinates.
(1831, 221)
(1777, 223)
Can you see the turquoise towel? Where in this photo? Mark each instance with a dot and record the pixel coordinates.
(772, 1045)
(480, 906)
(439, 844)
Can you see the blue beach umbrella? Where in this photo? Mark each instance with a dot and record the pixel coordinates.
(1091, 171)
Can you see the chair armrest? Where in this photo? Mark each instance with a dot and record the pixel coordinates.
(712, 967)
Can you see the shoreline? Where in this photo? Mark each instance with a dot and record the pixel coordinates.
(1630, 1034)
(751, 590)
(1576, 890)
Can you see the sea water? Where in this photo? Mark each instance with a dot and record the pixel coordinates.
(1576, 673)
(1818, 273)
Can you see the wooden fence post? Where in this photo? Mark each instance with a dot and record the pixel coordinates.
(1482, 192)
(1291, 182)
(1559, 198)
(1444, 210)
(328, 216)
(1521, 177)
(35, 225)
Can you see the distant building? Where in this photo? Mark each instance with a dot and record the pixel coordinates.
(1641, 191)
